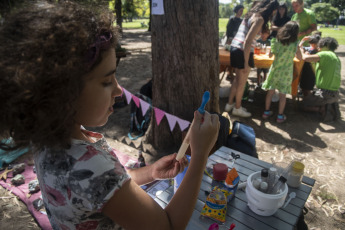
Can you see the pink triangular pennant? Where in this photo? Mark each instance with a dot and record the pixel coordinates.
(128, 95)
(136, 100)
(172, 120)
(159, 115)
(183, 124)
(144, 106)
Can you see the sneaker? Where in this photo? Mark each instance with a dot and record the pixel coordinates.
(267, 114)
(228, 107)
(281, 118)
(241, 112)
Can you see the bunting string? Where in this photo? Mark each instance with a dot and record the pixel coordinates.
(159, 114)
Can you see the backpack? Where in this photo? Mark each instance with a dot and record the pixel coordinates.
(242, 139)
(139, 123)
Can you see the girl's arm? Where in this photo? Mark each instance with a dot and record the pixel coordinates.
(274, 27)
(165, 168)
(253, 31)
(133, 208)
(305, 56)
(309, 30)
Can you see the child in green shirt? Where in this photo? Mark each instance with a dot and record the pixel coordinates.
(327, 71)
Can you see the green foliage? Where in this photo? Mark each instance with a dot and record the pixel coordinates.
(325, 12)
(133, 8)
(142, 7)
(340, 4)
(226, 10)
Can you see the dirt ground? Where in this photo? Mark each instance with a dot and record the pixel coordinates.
(318, 145)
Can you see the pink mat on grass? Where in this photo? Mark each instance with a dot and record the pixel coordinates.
(21, 191)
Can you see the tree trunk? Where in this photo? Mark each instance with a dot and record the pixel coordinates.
(184, 65)
(118, 12)
(149, 29)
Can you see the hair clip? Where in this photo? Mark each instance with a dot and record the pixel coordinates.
(102, 43)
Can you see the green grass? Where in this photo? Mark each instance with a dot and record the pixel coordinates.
(338, 34)
(222, 24)
(135, 24)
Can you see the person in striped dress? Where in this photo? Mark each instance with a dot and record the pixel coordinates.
(241, 51)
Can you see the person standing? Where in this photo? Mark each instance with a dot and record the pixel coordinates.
(234, 23)
(307, 81)
(231, 30)
(305, 18)
(280, 76)
(242, 51)
(263, 41)
(279, 19)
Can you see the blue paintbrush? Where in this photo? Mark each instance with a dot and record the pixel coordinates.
(185, 143)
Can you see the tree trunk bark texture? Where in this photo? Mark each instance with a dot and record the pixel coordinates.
(118, 12)
(184, 65)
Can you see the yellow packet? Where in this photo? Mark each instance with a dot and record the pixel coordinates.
(216, 205)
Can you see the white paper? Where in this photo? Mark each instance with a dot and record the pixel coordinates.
(157, 7)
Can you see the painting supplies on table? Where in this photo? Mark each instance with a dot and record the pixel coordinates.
(216, 205)
(220, 171)
(231, 183)
(261, 203)
(185, 143)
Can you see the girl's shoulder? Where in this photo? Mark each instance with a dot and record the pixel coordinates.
(256, 18)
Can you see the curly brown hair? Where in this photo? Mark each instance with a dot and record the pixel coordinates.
(288, 33)
(42, 64)
(330, 43)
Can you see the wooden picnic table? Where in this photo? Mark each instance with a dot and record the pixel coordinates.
(238, 211)
(264, 61)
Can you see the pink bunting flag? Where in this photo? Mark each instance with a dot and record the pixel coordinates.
(183, 124)
(136, 100)
(171, 120)
(128, 95)
(144, 106)
(159, 115)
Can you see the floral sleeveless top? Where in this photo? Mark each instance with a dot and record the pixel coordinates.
(77, 182)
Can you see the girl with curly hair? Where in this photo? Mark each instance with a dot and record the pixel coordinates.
(280, 75)
(57, 68)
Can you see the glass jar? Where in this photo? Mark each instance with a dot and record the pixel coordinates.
(295, 174)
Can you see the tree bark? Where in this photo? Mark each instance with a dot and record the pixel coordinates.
(118, 12)
(149, 29)
(184, 65)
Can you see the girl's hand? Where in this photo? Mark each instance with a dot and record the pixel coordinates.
(306, 38)
(167, 167)
(203, 134)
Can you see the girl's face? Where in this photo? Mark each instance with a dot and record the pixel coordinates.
(314, 46)
(281, 11)
(95, 103)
